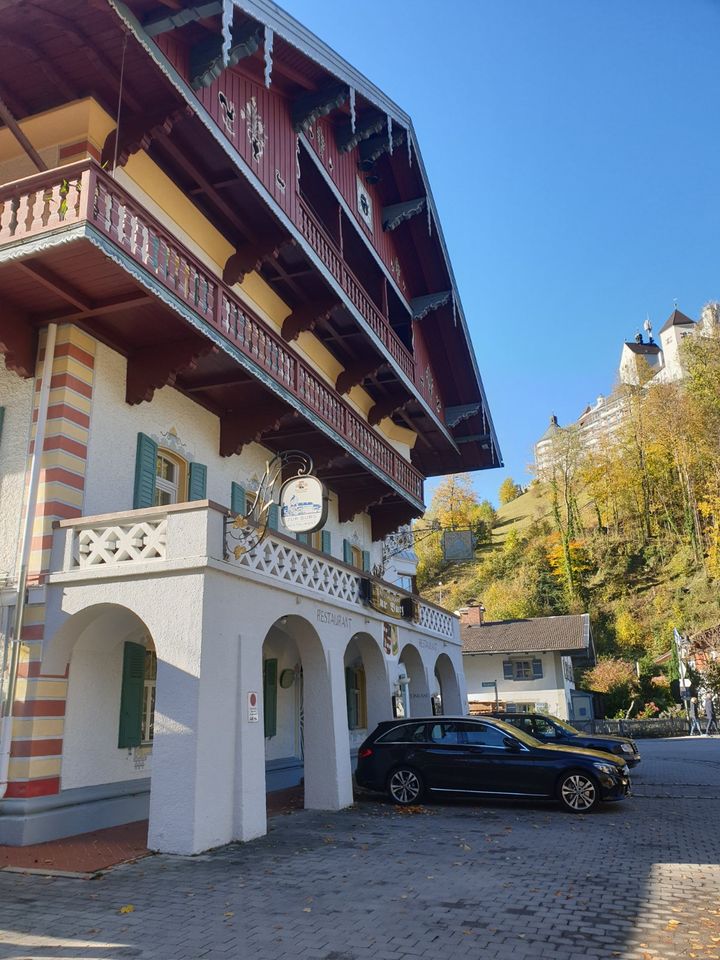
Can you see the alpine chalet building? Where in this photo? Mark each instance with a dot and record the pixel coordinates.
(218, 250)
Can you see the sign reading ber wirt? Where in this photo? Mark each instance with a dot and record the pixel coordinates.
(303, 504)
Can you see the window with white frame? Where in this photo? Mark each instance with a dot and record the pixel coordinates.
(148, 712)
(522, 670)
(170, 479)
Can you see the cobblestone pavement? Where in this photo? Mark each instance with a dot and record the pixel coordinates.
(639, 880)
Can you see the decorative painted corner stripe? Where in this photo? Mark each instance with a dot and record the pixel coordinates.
(39, 708)
(36, 748)
(23, 789)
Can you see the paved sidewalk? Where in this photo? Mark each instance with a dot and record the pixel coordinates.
(638, 881)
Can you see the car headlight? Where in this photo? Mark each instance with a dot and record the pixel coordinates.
(626, 748)
(607, 768)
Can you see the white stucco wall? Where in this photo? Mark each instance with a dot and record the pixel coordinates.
(550, 690)
(113, 438)
(16, 397)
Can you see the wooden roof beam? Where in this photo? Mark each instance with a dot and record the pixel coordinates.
(51, 281)
(311, 106)
(386, 408)
(14, 128)
(353, 502)
(137, 133)
(396, 213)
(158, 366)
(206, 59)
(18, 342)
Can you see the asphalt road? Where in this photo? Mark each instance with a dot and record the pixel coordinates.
(638, 880)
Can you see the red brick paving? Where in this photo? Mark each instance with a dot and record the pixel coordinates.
(90, 852)
(83, 853)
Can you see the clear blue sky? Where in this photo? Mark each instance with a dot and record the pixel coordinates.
(574, 156)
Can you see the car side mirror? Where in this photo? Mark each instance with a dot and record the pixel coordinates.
(511, 744)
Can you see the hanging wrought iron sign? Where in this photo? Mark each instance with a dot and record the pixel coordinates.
(302, 499)
(303, 504)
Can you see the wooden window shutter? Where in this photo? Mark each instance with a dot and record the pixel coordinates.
(366, 560)
(274, 516)
(270, 676)
(537, 670)
(2, 417)
(303, 538)
(326, 542)
(197, 482)
(237, 499)
(131, 695)
(507, 670)
(347, 552)
(145, 472)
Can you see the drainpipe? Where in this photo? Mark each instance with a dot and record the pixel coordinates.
(30, 511)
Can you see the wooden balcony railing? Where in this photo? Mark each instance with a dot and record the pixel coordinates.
(83, 192)
(319, 240)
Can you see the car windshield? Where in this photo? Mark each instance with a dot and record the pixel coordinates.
(516, 732)
(568, 728)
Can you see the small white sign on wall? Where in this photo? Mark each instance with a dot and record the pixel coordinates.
(253, 709)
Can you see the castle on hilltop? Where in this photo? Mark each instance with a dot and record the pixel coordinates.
(642, 362)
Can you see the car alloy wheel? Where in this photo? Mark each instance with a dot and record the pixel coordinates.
(578, 793)
(405, 786)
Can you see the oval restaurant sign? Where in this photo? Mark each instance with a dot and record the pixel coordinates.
(303, 504)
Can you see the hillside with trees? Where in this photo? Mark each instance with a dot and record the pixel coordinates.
(627, 529)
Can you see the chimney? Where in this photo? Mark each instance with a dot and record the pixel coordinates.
(472, 615)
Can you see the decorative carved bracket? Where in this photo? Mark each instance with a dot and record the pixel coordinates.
(137, 133)
(306, 318)
(422, 306)
(367, 124)
(240, 427)
(352, 503)
(310, 106)
(374, 147)
(206, 59)
(249, 256)
(386, 408)
(386, 518)
(393, 215)
(456, 415)
(174, 21)
(355, 373)
(154, 367)
(18, 342)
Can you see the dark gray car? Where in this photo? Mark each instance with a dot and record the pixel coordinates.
(549, 729)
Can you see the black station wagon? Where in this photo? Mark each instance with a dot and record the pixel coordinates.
(449, 756)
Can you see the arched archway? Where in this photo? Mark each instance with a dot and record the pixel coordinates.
(367, 687)
(109, 716)
(446, 677)
(303, 711)
(415, 692)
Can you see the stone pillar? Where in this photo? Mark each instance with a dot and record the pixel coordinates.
(250, 819)
(328, 776)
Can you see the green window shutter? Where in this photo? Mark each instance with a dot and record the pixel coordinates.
(270, 670)
(350, 682)
(326, 542)
(366, 561)
(537, 669)
(303, 538)
(131, 695)
(197, 482)
(507, 670)
(347, 552)
(237, 499)
(145, 472)
(273, 516)
(2, 417)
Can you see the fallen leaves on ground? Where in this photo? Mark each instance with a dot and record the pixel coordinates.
(128, 908)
